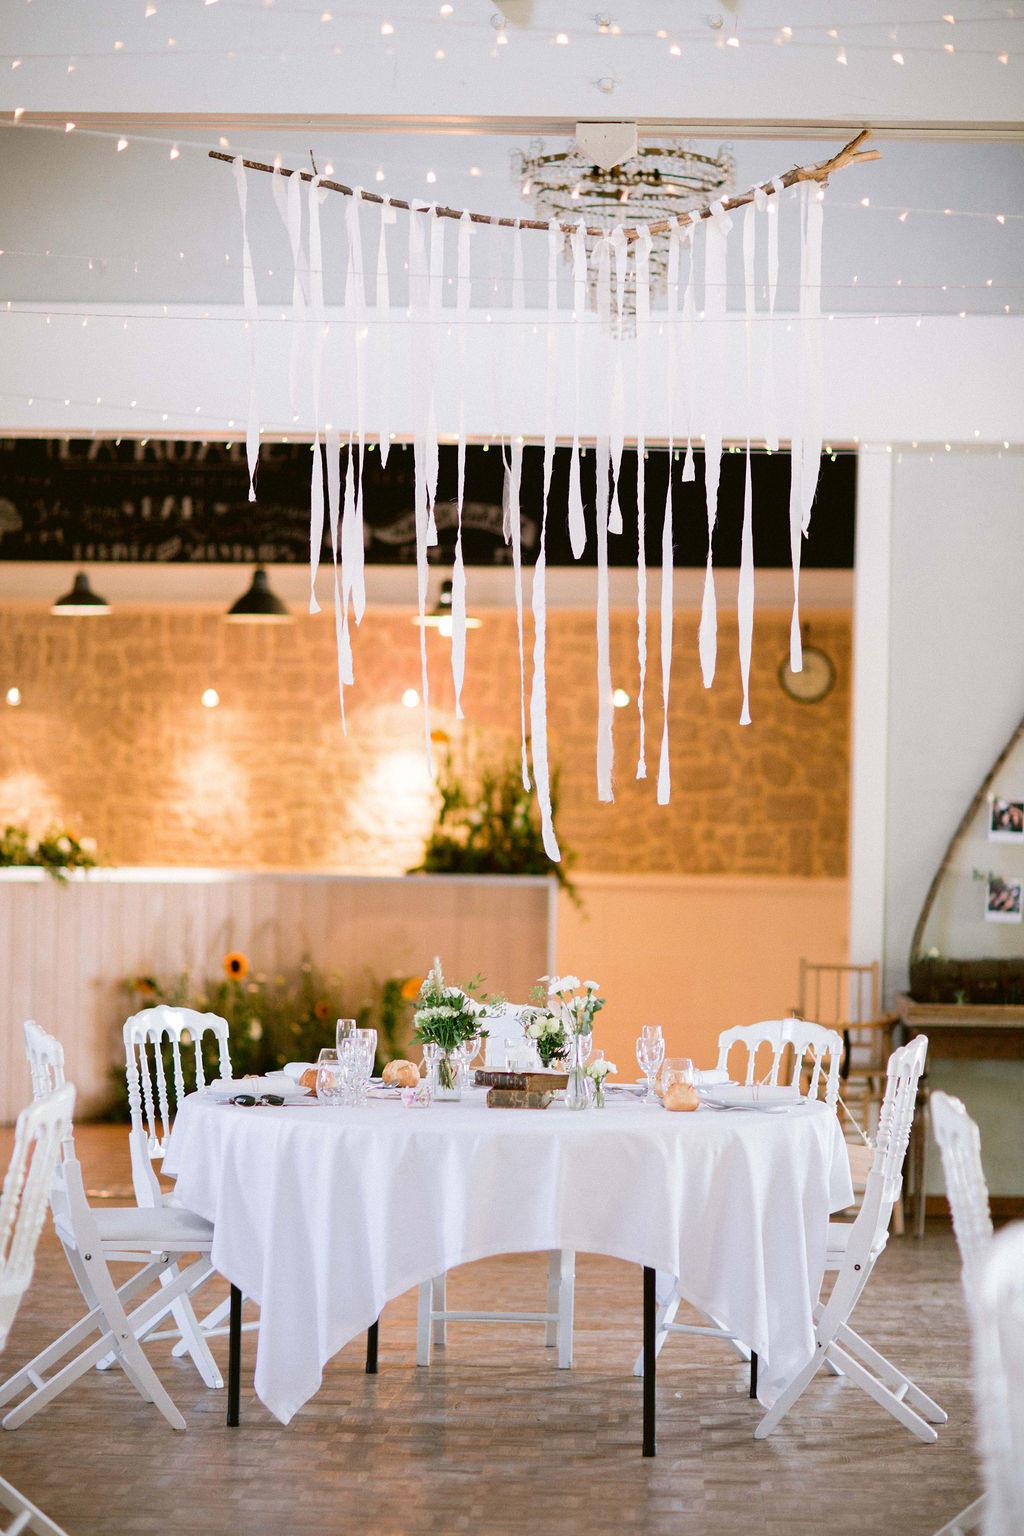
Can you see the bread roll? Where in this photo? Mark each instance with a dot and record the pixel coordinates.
(680, 1096)
(403, 1074)
(308, 1079)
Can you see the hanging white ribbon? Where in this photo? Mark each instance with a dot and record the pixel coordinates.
(620, 254)
(577, 520)
(417, 305)
(538, 695)
(383, 318)
(688, 347)
(643, 325)
(435, 292)
(605, 705)
(769, 205)
(353, 563)
(745, 593)
(288, 199)
(716, 230)
(667, 553)
(252, 424)
(513, 482)
(316, 304)
(805, 453)
(462, 288)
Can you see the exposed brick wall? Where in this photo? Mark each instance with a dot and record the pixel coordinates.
(112, 737)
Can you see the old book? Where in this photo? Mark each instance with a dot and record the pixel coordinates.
(517, 1098)
(538, 1082)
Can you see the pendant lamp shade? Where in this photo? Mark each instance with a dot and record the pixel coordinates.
(81, 601)
(440, 616)
(259, 605)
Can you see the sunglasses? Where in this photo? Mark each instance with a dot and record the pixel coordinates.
(249, 1100)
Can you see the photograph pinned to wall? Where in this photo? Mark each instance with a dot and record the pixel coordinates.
(1003, 900)
(1006, 821)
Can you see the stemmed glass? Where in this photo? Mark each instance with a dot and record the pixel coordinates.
(344, 1030)
(650, 1053)
(363, 1053)
(468, 1050)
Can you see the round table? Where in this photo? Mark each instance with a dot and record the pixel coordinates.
(322, 1215)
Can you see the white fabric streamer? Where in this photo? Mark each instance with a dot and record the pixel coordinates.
(462, 289)
(316, 305)
(383, 318)
(288, 198)
(433, 348)
(716, 230)
(643, 323)
(805, 454)
(689, 348)
(620, 253)
(667, 553)
(417, 305)
(538, 695)
(605, 706)
(252, 424)
(513, 487)
(770, 207)
(577, 520)
(353, 569)
(745, 594)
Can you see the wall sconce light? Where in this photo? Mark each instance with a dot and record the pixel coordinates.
(81, 601)
(440, 616)
(259, 605)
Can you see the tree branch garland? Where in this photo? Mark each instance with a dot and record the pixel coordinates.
(850, 154)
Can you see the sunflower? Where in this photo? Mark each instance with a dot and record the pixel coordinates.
(411, 988)
(236, 965)
(322, 1009)
(440, 736)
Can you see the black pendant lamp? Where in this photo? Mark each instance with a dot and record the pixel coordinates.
(259, 605)
(81, 601)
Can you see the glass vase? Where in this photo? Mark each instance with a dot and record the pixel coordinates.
(579, 1090)
(447, 1077)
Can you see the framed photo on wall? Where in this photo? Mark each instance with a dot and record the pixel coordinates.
(1006, 821)
(1003, 900)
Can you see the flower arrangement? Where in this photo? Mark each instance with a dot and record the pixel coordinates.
(576, 1001)
(597, 1071)
(274, 1019)
(57, 851)
(446, 1016)
(547, 1031)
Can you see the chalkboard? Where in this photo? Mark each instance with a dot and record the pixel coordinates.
(178, 501)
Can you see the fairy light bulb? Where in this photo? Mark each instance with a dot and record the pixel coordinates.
(410, 698)
(211, 698)
(13, 697)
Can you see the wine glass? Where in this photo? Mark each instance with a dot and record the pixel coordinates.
(344, 1029)
(364, 1051)
(330, 1077)
(676, 1069)
(468, 1050)
(650, 1053)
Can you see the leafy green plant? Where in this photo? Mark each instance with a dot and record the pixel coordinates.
(446, 1016)
(488, 824)
(57, 851)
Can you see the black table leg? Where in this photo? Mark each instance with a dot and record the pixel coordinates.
(753, 1374)
(650, 1358)
(372, 1340)
(234, 1355)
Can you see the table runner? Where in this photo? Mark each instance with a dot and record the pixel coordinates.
(322, 1215)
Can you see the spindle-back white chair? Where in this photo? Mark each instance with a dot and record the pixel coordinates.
(853, 1250)
(999, 1381)
(153, 1240)
(40, 1130)
(801, 1047)
(959, 1144)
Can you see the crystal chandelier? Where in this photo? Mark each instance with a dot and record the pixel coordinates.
(662, 180)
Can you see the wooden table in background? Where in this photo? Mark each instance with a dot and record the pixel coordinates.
(965, 1031)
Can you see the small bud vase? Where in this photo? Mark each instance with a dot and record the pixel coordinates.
(579, 1090)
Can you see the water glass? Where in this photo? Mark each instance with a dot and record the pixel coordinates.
(431, 1060)
(331, 1077)
(650, 1053)
(364, 1052)
(676, 1069)
(344, 1029)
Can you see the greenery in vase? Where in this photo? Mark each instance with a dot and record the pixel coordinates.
(446, 1016)
(576, 1001)
(597, 1071)
(281, 1018)
(57, 851)
(547, 1031)
(488, 824)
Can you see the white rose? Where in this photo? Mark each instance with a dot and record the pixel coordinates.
(64, 845)
(535, 1030)
(592, 986)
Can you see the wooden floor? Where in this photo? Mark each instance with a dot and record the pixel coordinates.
(493, 1438)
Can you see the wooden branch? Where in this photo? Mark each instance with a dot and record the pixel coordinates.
(850, 154)
(965, 820)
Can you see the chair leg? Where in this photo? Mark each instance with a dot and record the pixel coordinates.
(666, 1314)
(892, 1402)
(890, 1375)
(439, 1303)
(565, 1300)
(31, 1518)
(129, 1349)
(554, 1283)
(195, 1344)
(423, 1330)
(785, 1400)
(969, 1519)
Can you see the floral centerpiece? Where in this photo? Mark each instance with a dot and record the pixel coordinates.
(575, 1002)
(548, 1032)
(597, 1071)
(57, 851)
(444, 1018)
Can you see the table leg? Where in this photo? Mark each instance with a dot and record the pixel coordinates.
(234, 1356)
(372, 1340)
(753, 1373)
(650, 1359)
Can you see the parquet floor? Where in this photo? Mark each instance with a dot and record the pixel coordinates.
(493, 1438)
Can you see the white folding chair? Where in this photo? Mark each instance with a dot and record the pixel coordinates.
(999, 1381)
(959, 1144)
(37, 1141)
(853, 1250)
(506, 1033)
(153, 1240)
(814, 1055)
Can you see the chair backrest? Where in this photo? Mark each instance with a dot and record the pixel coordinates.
(884, 1181)
(803, 1046)
(152, 1098)
(998, 1317)
(45, 1059)
(966, 1190)
(839, 995)
(40, 1130)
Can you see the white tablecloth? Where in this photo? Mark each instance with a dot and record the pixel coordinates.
(322, 1215)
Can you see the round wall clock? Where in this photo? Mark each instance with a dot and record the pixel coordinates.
(815, 681)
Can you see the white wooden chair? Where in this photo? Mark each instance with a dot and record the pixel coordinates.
(802, 1049)
(959, 1144)
(505, 1032)
(37, 1142)
(152, 1240)
(853, 1250)
(999, 1381)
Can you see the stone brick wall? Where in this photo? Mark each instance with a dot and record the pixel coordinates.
(112, 737)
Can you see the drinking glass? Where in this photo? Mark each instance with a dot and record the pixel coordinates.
(468, 1050)
(344, 1029)
(650, 1053)
(676, 1069)
(364, 1051)
(431, 1061)
(331, 1086)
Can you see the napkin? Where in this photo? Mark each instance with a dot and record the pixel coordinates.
(295, 1069)
(706, 1078)
(754, 1093)
(277, 1083)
